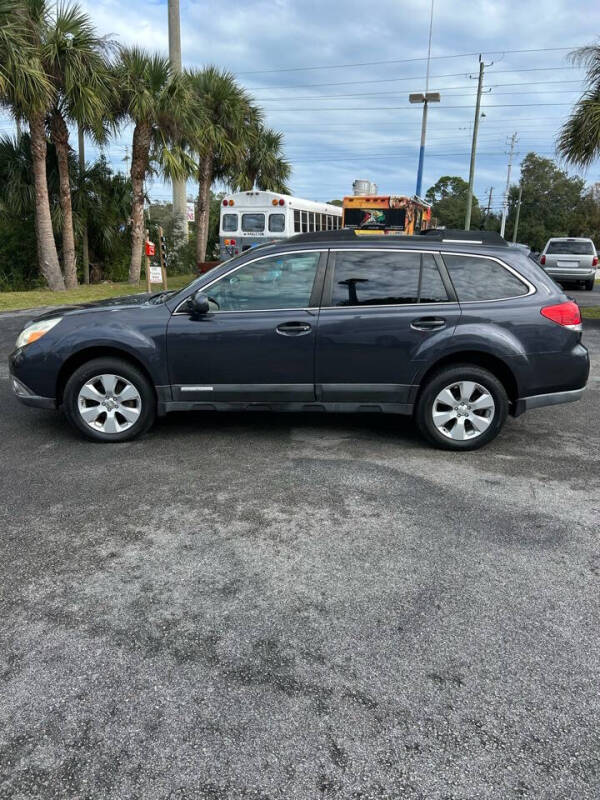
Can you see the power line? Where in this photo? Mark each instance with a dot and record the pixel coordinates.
(444, 88)
(409, 78)
(444, 107)
(403, 60)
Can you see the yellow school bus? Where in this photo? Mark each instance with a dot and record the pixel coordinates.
(395, 214)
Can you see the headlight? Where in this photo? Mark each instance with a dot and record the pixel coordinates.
(36, 330)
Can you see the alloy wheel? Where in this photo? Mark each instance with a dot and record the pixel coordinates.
(463, 410)
(109, 403)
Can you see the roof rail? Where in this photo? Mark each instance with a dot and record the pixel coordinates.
(465, 237)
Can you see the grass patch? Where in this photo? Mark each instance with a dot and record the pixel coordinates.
(13, 301)
(590, 312)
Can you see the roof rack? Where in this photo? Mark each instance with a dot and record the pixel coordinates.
(465, 237)
(435, 234)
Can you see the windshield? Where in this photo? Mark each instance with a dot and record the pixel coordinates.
(571, 247)
(378, 218)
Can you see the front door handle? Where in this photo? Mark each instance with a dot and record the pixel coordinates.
(428, 324)
(293, 328)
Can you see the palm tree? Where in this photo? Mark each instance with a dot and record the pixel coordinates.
(155, 99)
(27, 92)
(264, 165)
(579, 140)
(74, 60)
(217, 138)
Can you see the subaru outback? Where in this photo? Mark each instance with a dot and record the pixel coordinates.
(457, 330)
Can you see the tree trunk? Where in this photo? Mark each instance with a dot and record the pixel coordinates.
(139, 166)
(46, 246)
(203, 207)
(60, 137)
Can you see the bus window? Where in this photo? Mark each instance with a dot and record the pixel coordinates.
(230, 222)
(297, 227)
(305, 222)
(311, 221)
(276, 223)
(253, 223)
(317, 222)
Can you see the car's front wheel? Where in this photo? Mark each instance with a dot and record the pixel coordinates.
(462, 407)
(109, 400)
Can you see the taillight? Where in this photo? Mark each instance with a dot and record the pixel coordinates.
(566, 314)
(225, 203)
(595, 261)
(542, 259)
(282, 203)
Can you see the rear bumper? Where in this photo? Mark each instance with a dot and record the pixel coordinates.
(27, 397)
(582, 274)
(550, 399)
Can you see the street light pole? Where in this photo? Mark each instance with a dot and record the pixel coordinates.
(180, 232)
(513, 140)
(474, 147)
(425, 102)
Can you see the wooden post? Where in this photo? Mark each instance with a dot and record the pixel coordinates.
(147, 264)
(161, 254)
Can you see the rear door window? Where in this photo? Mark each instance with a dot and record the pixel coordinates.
(378, 278)
(276, 223)
(480, 278)
(253, 223)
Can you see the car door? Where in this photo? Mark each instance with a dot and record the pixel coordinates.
(384, 312)
(256, 344)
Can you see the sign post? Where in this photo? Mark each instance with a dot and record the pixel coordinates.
(162, 252)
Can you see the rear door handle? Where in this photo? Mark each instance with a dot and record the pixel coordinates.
(428, 324)
(293, 328)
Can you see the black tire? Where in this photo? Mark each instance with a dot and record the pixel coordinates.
(589, 285)
(117, 367)
(446, 377)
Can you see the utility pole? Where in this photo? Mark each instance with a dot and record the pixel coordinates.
(85, 252)
(489, 203)
(180, 231)
(474, 146)
(513, 141)
(516, 228)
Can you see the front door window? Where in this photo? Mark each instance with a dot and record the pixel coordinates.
(274, 282)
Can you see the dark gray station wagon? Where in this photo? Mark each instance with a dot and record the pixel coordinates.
(458, 330)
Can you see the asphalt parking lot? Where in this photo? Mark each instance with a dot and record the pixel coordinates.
(270, 607)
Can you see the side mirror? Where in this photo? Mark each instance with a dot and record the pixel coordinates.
(198, 304)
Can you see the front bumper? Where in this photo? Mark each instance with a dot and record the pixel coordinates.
(27, 397)
(550, 399)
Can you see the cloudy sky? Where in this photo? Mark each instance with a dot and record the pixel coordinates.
(335, 78)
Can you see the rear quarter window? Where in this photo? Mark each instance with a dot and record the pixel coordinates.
(480, 278)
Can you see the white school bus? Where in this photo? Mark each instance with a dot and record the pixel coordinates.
(252, 218)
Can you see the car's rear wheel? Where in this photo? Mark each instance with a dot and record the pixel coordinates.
(109, 400)
(589, 285)
(462, 407)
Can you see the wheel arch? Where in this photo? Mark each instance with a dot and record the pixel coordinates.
(494, 364)
(97, 351)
